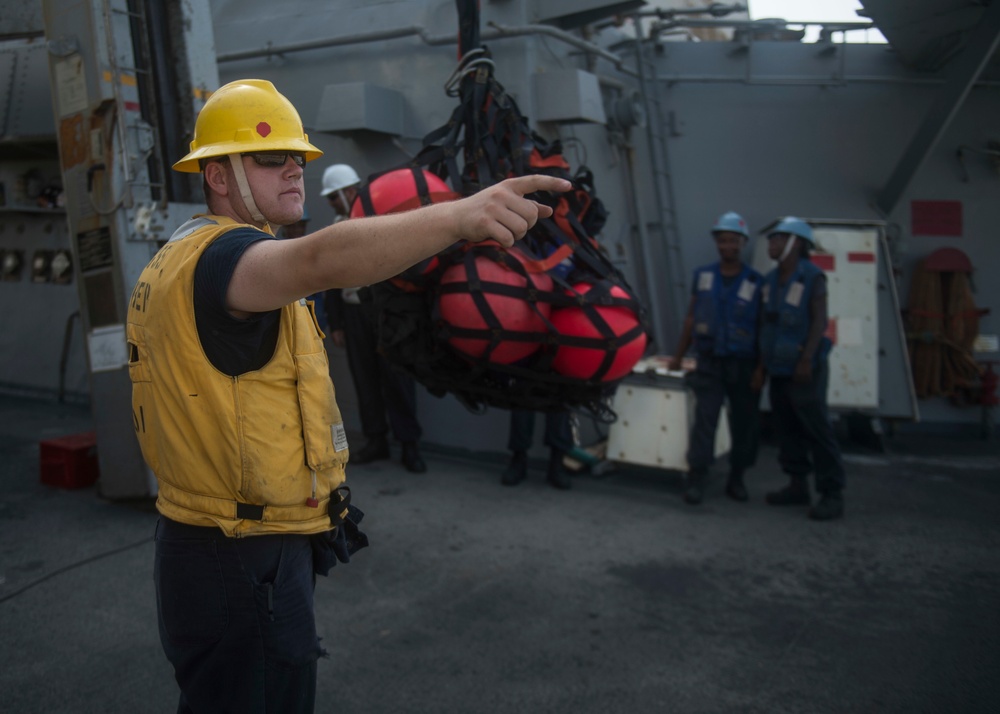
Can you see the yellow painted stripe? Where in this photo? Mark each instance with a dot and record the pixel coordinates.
(127, 79)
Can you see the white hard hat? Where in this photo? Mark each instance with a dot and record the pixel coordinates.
(337, 177)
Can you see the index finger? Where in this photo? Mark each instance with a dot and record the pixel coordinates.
(538, 182)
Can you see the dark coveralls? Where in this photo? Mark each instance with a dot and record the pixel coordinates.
(240, 610)
(558, 435)
(800, 412)
(381, 389)
(725, 339)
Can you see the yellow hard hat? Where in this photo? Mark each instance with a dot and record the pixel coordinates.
(242, 116)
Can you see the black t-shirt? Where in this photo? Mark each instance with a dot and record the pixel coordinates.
(234, 346)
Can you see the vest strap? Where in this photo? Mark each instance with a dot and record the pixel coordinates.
(231, 509)
(249, 511)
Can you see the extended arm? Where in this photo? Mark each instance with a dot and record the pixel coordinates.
(685, 340)
(363, 251)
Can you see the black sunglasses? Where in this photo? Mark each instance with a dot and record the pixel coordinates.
(276, 159)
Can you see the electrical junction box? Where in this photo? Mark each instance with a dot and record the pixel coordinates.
(356, 106)
(568, 96)
(655, 416)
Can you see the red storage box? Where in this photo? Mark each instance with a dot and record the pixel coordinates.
(69, 461)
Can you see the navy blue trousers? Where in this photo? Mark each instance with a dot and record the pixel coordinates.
(236, 619)
(802, 422)
(558, 434)
(382, 391)
(716, 380)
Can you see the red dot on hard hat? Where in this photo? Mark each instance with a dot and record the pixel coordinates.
(584, 362)
(264, 128)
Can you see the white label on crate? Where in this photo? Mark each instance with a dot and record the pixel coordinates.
(747, 289)
(107, 348)
(71, 86)
(849, 332)
(705, 280)
(794, 296)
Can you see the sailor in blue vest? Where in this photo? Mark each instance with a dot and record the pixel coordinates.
(722, 325)
(794, 353)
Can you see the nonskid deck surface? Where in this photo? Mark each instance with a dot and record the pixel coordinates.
(612, 597)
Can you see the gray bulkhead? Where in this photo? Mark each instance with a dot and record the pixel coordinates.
(766, 128)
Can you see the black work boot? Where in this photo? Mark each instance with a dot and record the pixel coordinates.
(557, 475)
(375, 449)
(794, 494)
(516, 470)
(829, 507)
(412, 460)
(695, 491)
(735, 488)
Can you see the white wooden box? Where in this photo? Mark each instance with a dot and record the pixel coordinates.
(655, 416)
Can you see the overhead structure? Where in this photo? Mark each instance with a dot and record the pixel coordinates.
(960, 37)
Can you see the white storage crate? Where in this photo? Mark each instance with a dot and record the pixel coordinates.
(655, 415)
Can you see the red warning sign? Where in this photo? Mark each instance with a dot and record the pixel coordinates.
(824, 262)
(936, 218)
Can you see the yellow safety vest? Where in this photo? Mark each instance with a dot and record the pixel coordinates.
(257, 453)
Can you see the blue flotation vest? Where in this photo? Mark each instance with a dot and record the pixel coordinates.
(786, 319)
(725, 316)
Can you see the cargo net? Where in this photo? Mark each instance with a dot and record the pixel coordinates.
(549, 324)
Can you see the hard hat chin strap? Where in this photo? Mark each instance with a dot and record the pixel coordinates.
(788, 247)
(343, 201)
(241, 181)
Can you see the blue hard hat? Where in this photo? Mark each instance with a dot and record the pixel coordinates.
(731, 221)
(795, 226)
